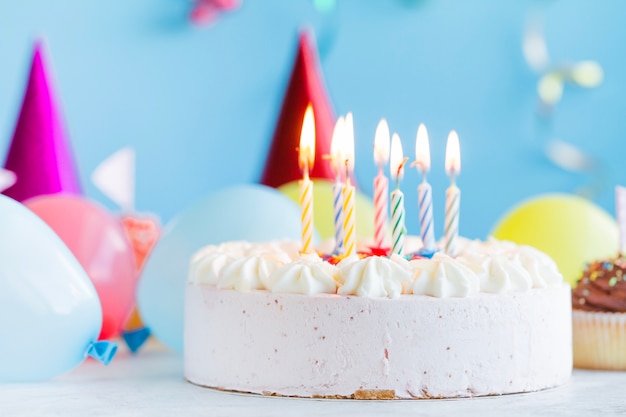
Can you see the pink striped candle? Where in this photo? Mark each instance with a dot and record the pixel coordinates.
(453, 194)
(306, 158)
(381, 184)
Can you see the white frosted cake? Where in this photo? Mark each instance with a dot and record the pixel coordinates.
(264, 319)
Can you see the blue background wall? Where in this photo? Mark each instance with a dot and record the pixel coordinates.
(199, 104)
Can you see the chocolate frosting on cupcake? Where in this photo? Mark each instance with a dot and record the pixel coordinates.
(602, 286)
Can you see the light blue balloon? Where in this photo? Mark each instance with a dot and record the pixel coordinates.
(248, 212)
(49, 310)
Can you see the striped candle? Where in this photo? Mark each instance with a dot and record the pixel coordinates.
(453, 201)
(306, 216)
(306, 157)
(425, 203)
(453, 194)
(381, 184)
(348, 210)
(349, 229)
(398, 231)
(397, 222)
(424, 190)
(338, 215)
(337, 165)
(381, 189)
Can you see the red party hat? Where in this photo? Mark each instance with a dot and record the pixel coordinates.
(306, 86)
(39, 154)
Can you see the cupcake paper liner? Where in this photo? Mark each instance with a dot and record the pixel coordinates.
(599, 340)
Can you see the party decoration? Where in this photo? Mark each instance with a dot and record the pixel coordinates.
(305, 87)
(247, 212)
(587, 74)
(206, 12)
(7, 179)
(323, 211)
(325, 6)
(100, 244)
(50, 315)
(115, 177)
(570, 229)
(39, 153)
(143, 233)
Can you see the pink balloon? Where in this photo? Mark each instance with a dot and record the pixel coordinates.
(99, 242)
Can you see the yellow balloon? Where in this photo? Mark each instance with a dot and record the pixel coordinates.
(323, 211)
(570, 229)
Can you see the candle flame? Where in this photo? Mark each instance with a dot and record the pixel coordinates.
(422, 149)
(381, 143)
(307, 140)
(336, 146)
(348, 143)
(453, 154)
(396, 158)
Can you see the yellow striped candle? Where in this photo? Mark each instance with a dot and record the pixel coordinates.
(306, 158)
(398, 230)
(349, 219)
(453, 194)
(381, 184)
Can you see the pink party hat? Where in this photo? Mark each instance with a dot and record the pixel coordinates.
(39, 154)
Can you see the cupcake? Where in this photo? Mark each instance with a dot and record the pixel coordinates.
(599, 316)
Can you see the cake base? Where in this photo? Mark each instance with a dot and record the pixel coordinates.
(413, 347)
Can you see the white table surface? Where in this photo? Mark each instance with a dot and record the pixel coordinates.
(151, 384)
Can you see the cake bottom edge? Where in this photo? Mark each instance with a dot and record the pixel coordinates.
(375, 394)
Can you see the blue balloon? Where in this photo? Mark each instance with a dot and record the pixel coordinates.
(254, 213)
(50, 314)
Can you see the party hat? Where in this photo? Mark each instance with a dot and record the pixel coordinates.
(39, 154)
(306, 86)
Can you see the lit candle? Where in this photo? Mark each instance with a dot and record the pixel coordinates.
(306, 157)
(397, 197)
(349, 229)
(453, 194)
(337, 163)
(381, 184)
(424, 190)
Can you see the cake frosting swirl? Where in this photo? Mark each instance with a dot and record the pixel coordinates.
(602, 287)
(488, 267)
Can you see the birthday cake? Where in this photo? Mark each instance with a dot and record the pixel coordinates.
(266, 319)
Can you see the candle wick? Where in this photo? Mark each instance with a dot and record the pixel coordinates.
(380, 170)
(347, 161)
(423, 176)
(306, 171)
(453, 178)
